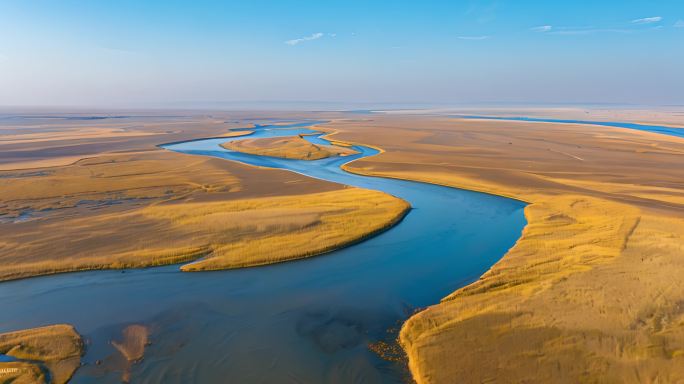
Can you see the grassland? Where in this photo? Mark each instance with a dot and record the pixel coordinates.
(280, 229)
(293, 147)
(139, 210)
(57, 348)
(592, 291)
(129, 205)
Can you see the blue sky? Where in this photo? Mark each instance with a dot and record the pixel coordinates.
(174, 53)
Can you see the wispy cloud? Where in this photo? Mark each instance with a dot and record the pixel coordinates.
(648, 20)
(587, 31)
(632, 27)
(542, 28)
(679, 24)
(313, 36)
(473, 37)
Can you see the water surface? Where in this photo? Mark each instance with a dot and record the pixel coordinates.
(663, 130)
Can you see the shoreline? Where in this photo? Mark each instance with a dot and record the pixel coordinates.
(346, 168)
(391, 224)
(526, 276)
(199, 253)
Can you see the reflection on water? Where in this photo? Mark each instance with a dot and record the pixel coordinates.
(306, 321)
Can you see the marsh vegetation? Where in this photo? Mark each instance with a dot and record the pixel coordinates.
(293, 147)
(590, 292)
(148, 209)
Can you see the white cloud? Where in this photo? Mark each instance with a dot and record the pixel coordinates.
(648, 20)
(679, 24)
(542, 28)
(473, 37)
(587, 31)
(313, 36)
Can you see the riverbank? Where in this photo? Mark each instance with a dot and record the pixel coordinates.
(561, 304)
(278, 229)
(178, 209)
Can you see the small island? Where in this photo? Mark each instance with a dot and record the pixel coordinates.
(31, 353)
(291, 147)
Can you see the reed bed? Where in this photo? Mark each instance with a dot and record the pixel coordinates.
(265, 231)
(222, 234)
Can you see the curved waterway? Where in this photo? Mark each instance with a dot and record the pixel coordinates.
(661, 129)
(306, 321)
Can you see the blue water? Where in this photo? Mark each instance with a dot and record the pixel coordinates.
(307, 321)
(670, 131)
(5, 358)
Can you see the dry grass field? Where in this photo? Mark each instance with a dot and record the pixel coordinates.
(294, 147)
(592, 292)
(270, 230)
(57, 348)
(144, 206)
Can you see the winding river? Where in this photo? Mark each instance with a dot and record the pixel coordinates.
(307, 321)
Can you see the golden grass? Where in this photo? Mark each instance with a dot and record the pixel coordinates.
(227, 233)
(82, 261)
(294, 147)
(265, 231)
(577, 300)
(591, 292)
(57, 347)
(236, 133)
(133, 176)
(21, 373)
(90, 215)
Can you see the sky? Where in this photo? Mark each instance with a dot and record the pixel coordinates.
(210, 53)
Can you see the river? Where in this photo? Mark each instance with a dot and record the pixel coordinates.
(306, 321)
